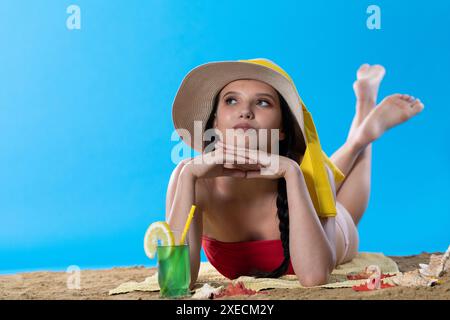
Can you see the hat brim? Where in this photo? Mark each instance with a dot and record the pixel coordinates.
(195, 97)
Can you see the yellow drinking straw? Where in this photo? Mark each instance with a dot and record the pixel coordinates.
(188, 223)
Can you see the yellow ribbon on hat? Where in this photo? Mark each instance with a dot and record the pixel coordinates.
(314, 159)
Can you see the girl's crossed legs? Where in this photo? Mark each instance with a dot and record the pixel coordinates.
(354, 157)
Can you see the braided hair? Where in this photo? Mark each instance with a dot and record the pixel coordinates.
(286, 148)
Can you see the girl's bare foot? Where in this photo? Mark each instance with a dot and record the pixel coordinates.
(392, 111)
(366, 86)
(368, 79)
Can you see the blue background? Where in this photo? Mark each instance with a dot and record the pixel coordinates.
(85, 115)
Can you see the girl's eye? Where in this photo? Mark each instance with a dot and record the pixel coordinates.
(267, 103)
(264, 103)
(226, 100)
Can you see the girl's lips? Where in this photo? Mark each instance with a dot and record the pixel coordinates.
(244, 128)
(243, 125)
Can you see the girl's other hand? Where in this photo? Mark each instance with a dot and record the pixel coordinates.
(258, 163)
(212, 164)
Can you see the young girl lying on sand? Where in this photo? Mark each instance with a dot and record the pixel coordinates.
(279, 222)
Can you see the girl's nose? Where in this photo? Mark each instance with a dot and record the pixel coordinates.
(246, 113)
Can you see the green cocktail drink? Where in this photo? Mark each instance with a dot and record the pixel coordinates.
(174, 272)
(172, 249)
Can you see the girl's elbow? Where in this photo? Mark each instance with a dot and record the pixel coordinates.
(192, 285)
(193, 281)
(313, 280)
(195, 268)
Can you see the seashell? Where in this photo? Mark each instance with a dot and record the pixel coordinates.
(414, 279)
(206, 292)
(439, 264)
(374, 281)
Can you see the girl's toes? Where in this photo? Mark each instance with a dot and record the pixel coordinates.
(417, 105)
(411, 99)
(364, 67)
(405, 97)
(378, 68)
(408, 98)
(362, 70)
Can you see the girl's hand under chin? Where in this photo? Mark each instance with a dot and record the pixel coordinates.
(257, 163)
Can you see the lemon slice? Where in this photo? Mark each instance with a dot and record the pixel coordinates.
(159, 230)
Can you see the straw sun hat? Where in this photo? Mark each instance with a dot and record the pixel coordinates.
(194, 101)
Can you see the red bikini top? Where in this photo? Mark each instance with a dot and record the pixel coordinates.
(235, 259)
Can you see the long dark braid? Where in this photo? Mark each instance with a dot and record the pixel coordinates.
(286, 148)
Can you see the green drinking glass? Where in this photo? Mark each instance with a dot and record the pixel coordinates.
(174, 272)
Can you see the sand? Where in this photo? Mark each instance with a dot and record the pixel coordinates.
(95, 284)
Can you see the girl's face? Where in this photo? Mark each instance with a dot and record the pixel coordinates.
(252, 102)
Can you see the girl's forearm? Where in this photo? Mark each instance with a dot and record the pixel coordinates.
(312, 254)
(184, 198)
